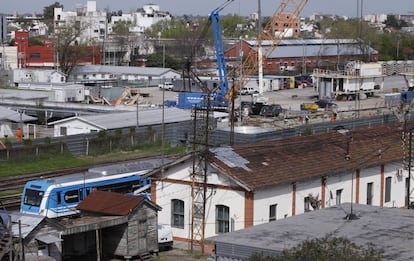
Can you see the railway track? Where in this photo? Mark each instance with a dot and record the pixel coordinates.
(15, 184)
(11, 202)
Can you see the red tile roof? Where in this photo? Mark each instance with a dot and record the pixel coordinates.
(296, 158)
(110, 203)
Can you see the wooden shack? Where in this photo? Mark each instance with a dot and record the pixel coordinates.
(136, 234)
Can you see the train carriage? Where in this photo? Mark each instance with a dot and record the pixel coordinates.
(56, 197)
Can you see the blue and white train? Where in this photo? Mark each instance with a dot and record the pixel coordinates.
(56, 197)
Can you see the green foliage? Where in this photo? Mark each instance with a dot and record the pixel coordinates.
(118, 132)
(160, 59)
(57, 161)
(393, 22)
(36, 41)
(229, 25)
(199, 28)
(325, 249)
(169, 29)
(47, 140)
(8, 144)
(27, 142)
(102, 134)
(70, 51)
(48, 11)
(390, 44)
(121, 27)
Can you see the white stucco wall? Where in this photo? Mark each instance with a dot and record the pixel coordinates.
(397, 185)
(371, 175)
(304, 189)
(336, 182)
(264, 198)
(74, 127)
(222, 194)
(176, 185)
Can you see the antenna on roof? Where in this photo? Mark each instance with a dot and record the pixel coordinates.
(350, 216)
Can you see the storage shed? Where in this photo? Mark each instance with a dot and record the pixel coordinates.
(136, 233)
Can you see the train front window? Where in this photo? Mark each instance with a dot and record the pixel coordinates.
(33, 197)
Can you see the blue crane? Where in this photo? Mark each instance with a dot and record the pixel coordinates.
(217, 95)
(219, 47)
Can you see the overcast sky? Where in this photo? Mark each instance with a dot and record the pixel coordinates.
(203, 7)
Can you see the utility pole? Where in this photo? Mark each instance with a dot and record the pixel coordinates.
(409, 168)
(260, 50)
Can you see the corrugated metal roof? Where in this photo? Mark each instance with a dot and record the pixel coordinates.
(48, 239)
(316, 50)
(146, 117)
(23, 94)
(148, 71)
(311, 47)
(110, 203)
(75, 225)
(389, 229)
(27, 222)
(273, 162)
(11, 115)
(302, 42)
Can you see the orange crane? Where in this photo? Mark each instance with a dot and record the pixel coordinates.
(272, 33)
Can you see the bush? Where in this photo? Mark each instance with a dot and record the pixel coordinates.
(102, 134)
(48, 140)
(8, 144)
(325, 249)
(27, 142)
(118, 133)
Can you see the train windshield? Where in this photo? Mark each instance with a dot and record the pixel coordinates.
(33, 197)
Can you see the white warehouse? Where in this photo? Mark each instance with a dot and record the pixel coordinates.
(255, 183)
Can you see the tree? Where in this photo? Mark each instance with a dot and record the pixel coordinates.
(69, 50)
(353, 29)
(48, 13)
(159, 59)
(124, 40)
(394, 23)
(325, 249)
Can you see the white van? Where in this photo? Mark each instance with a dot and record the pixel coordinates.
(165, 237)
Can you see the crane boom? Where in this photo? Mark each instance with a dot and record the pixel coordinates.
(219, 47)
(272, 37)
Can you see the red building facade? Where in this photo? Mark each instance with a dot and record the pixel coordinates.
(43, 56)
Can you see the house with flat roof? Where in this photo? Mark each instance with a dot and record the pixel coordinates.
(387, 229)
(101, 74)
(117, 120)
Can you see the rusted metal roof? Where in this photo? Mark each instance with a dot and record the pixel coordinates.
(267, 163)
(110, 203)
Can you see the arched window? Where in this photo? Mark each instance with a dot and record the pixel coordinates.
(222, 219)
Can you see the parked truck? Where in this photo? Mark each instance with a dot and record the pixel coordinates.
(168, 86)
(358, 80)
